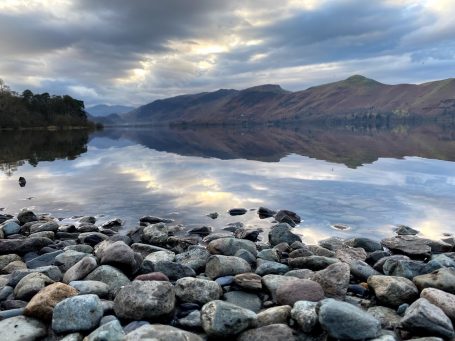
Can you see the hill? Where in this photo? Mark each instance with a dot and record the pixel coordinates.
(102, 110)
(355, 98)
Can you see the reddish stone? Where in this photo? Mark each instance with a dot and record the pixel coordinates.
(300, 290)
(152, 276)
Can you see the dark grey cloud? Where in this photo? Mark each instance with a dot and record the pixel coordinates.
(131, 52)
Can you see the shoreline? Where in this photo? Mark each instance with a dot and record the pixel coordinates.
(70, 281)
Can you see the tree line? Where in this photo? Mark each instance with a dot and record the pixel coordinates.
(29, 110)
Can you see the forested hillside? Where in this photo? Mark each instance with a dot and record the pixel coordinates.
(29, 110)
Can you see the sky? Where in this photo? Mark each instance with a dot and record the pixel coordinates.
(134, 52)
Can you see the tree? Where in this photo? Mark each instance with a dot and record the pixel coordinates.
(3, 87)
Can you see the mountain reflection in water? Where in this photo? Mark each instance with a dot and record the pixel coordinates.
(328, 176)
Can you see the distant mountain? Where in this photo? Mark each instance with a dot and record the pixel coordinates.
(106, 110)
(355, 98)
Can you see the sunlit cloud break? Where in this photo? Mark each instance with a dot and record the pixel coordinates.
(132, 52)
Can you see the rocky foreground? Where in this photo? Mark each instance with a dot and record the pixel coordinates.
(87, 281)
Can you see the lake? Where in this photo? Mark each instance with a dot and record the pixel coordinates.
(368, 179)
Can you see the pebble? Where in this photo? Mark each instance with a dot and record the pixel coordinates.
(20, 328)
(271, 332)
(244, 299)
(427, 319)
(305, 314)
(299, 290)
(195, 290)
(218, 266)
(162, 333)
(144, 300)
(393, 291)
(223, 319)
(345, 321)
(42, 304)
(77, 313)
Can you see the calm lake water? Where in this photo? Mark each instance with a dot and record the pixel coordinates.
(368, 179)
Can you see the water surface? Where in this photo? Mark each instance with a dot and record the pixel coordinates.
(368, 179)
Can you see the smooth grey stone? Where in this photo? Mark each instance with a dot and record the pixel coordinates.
(195, 257)
(162, 333)
(10, 227)
(21, 328)
(218, 266)
(49, 226)
(43, 260)
(173, 271)
(442, 279)
(271, 332)
(144, 300)
(30, 285)
(274, 315)
(5, 292)
(111, 331)
(282, 233)
(91, 287)
(192, 320)
(393, 291)
(229, 246)
(26, 216)
(425, 318)
(388, 317)
(23, 246)
(301, 273)
(81, 269)
(269, 267)
(345, 321)
(155, 234)
(6, 259)
(68, 258)
(146, 249)
(6, 314)
(114, 278)
(246, 255)
(441, 299)
(334, 280)
(314, 263)
(305, 314)
(50, 271)
(362, 270)
(223, 319)
(195, 290)
(367, 244)
(77, 313)
(79, 248)
(403, 268)
(244, 299)
(225, 280)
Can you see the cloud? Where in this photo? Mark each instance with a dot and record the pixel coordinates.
(132, 52)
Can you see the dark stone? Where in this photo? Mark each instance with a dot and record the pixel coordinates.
(264, 213)
(201, 231)
(154, 220)
(173, 271)
(26, 216)
(282, 233)
(367, 244)
(237, 211)
(43, 260)
(284, 216)
(22, 246)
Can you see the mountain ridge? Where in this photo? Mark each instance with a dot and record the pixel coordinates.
(353, 98)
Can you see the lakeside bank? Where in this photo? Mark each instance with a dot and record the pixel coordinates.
(87, 280)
